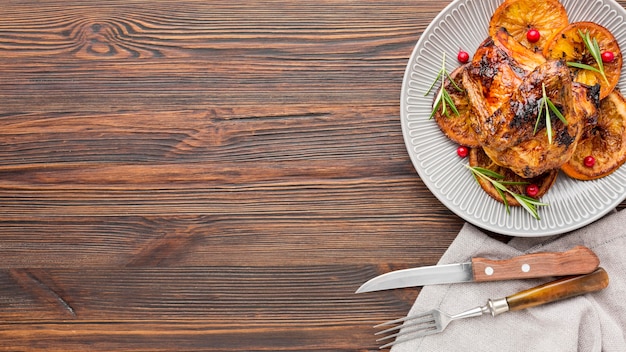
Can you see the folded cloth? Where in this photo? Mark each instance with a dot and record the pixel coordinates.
(591, 322)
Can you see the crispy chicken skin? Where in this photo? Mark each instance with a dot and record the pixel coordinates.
(505, 87)
(587, 103)
(519, 55)
(514, 142)
(514, 122)
(496, 71)
(493, 77)
(499, 65)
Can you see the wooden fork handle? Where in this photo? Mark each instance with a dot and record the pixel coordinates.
(576, 261)
(559, 289)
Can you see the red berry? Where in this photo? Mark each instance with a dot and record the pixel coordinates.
(608, 56)
(589, 161)
(462, 151)
(532, 190)
(533, 35)
(463, 56)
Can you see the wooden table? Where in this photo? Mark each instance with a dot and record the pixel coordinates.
(207, 175)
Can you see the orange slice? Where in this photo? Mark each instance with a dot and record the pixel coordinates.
(568, 45)
(519, 16)
(606, 142)
(458, 128)
(477, 157)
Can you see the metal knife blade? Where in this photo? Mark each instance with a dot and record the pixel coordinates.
(576, 261)
(427, 275)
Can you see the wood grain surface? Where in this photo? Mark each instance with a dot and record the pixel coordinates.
(207, 175)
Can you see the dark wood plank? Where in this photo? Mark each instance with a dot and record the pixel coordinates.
(207, 175)
(257, 240)
(171, 55)
(183, 336)
(208, 308)
(232, 295)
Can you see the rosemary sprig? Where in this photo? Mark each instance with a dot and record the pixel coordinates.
(594, 49)
(443, 98)
(546, 104)
(497, 180)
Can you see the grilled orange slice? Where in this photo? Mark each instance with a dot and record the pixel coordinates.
(568, 45)
(519, 16)
(606, 142)
(457, 127)
(477, 157)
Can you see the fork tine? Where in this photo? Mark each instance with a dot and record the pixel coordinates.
(403, 319)
(410, 335)
(410, 327)
(395, 321)
(408, 322)
(418, 327)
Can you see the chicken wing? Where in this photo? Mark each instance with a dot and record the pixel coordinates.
(494, 75)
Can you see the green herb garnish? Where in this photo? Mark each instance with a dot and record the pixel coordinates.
(594, 49)
(497, 180)
(545, 104)
(443, 99)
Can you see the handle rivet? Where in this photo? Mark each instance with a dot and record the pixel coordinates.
(525, 268)
(489, 270)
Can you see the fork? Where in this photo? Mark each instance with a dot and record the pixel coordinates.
(435, 321)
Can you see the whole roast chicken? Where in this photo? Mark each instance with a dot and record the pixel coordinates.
(505, 85)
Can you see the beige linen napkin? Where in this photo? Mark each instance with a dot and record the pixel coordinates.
(592, 322)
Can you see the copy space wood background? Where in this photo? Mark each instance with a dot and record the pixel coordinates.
(207, 175)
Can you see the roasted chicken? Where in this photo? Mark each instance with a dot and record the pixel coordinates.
(511, 137)
(496, 70)
(505, 85)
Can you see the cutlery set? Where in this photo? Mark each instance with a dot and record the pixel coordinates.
(578, 269)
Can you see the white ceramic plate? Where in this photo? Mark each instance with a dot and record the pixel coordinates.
(464, 25)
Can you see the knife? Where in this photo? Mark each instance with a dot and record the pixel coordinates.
(576, 261)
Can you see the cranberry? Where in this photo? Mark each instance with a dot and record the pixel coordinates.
(533, 35)
(608, 56)
(463, 56)
(589, 161)
(462, 151)
(532, 190)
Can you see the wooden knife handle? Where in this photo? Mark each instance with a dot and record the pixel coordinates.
(576, 261)
(559, 289)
